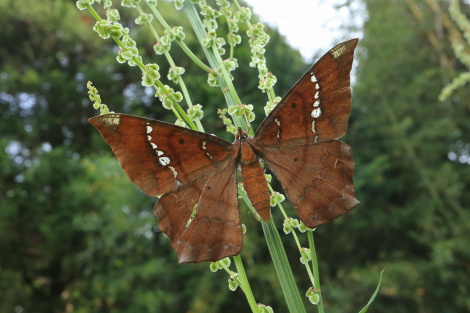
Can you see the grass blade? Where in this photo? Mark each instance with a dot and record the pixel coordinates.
(374, 295)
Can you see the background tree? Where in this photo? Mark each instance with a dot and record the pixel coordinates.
(414, 213)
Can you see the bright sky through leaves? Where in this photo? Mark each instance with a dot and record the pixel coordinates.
(309, 25)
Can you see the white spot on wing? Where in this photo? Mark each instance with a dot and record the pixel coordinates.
(316, 103)
(338, 51)
(278, 123)
(164, 161)
(316, 112)
(317, 95)
(204, 147)
(175, 173)
(313, 127)
(111, 119)
(314, 78)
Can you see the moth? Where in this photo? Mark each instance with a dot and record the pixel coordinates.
(195, 174)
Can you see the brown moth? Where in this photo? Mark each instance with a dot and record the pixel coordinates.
(193, 171)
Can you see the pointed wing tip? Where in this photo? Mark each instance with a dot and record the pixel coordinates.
(345, 48)
(93, 120)
(350, 43)
(354, 40)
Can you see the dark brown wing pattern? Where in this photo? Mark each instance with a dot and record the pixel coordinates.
(317, 179)
(215, 231)
(298, 140)
(192, 170)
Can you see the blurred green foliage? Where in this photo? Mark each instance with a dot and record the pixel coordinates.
(413, 220)
(77, 236)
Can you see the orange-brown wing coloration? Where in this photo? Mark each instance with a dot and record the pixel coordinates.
(298, 140)
(192, 170)
(254, 181)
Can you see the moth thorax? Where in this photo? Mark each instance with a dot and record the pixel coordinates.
(247, 155)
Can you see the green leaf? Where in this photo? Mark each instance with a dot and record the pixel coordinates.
(374, 295)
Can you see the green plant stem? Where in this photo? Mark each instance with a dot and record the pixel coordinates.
(299, 247)
(173, 64)
(181, 43)
(177, 110)
(271, 94)
(294, 234)
(244, 196)
(225, 85)
(177, 107)
(232, 48)
(93, 12)
(283, 270)
(269, 91)
(316, 275)
(245, 284)
(278, 255)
